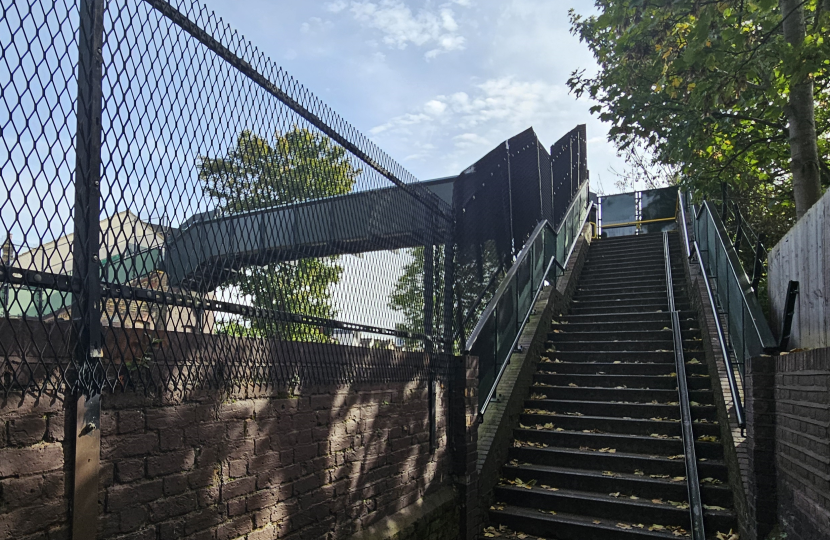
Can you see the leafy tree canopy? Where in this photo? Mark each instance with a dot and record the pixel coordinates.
(258, 173)
(704, 85)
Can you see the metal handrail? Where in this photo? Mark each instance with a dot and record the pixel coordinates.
(491, 305)
(764, 334)
(683, 219)
(523, 254)
(730, 371)
(692, 479)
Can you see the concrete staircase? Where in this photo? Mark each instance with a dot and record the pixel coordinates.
(597, 453)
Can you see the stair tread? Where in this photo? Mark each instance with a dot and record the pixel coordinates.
(580, 520)
(634, 503)
(597, 473)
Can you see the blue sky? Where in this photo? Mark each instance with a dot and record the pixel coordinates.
(436, 84)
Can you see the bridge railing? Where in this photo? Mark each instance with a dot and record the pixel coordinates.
(166, 178)
(539, 263)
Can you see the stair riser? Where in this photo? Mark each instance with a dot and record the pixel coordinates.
(599, 381)
(644, 487)
(542, 528)
(686, 317)
(617, 463)
(630, 369)
(621, 335)
(625, 394)
(562, 345)
(620, 409)
(623, 326)
(643, 427)
(639, 445)
(600, 507)
(631, 308)
(611, 356)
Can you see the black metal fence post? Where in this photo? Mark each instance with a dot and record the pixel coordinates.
(86, 301)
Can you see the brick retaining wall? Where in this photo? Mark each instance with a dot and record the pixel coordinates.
(788, 428)
(251, 465)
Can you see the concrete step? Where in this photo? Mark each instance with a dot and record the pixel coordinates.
(618, 410)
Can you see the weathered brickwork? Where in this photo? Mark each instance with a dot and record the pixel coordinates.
(802, 432)
(761, 494)
(33, 502)
(328, 463)
(253, 465)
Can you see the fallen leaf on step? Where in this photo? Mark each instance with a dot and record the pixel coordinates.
(678, 456)
(659, 475)
(597, 522)
(679, 479)
(623, 526)
(657, 501)
(708, 507)
(656, 527)
(608, 450)
(608, 473)
(573, 385)
(638, 472)
(710, 480)
(617, 362)
(617, 494)
(693, 361)
(708, 438)
(634, 498)
(559, 429)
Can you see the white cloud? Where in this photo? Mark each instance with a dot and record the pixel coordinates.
(504, 101)
(401, 27)
(337, 6)
(456, 129)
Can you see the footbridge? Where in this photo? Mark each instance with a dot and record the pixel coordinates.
(500, 199)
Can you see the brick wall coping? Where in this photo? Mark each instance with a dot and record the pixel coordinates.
(423, 510)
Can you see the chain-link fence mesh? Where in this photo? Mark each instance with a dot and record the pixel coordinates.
(180, 211)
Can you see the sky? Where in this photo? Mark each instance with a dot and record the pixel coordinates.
(436, 84)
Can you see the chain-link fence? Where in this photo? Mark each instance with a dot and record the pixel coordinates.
(181, 212)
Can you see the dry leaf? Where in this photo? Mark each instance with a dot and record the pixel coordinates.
(623, 526)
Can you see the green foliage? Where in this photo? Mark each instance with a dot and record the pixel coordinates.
(704, 86)
(257, 173)
(471, 275)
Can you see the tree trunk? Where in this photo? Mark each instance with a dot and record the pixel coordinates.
(801, 116)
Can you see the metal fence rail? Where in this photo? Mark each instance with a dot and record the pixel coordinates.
(541, 261)
(747, 329)
(166, 180)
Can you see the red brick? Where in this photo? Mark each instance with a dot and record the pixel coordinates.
(130, 421)
(234, 489)
(129, 445)
(234, 528)
(27, 431)
(34, 460)
(164, 464)
(173, 506)
(170, 417)
(132, 518)
(120, 497)
(129, 470)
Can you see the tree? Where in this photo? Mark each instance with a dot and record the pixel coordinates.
(471, 273)
(708, 87)
(255, 174)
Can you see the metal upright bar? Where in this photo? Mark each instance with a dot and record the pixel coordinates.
(86, 304)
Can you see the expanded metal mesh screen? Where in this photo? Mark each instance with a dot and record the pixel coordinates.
(179, 211)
